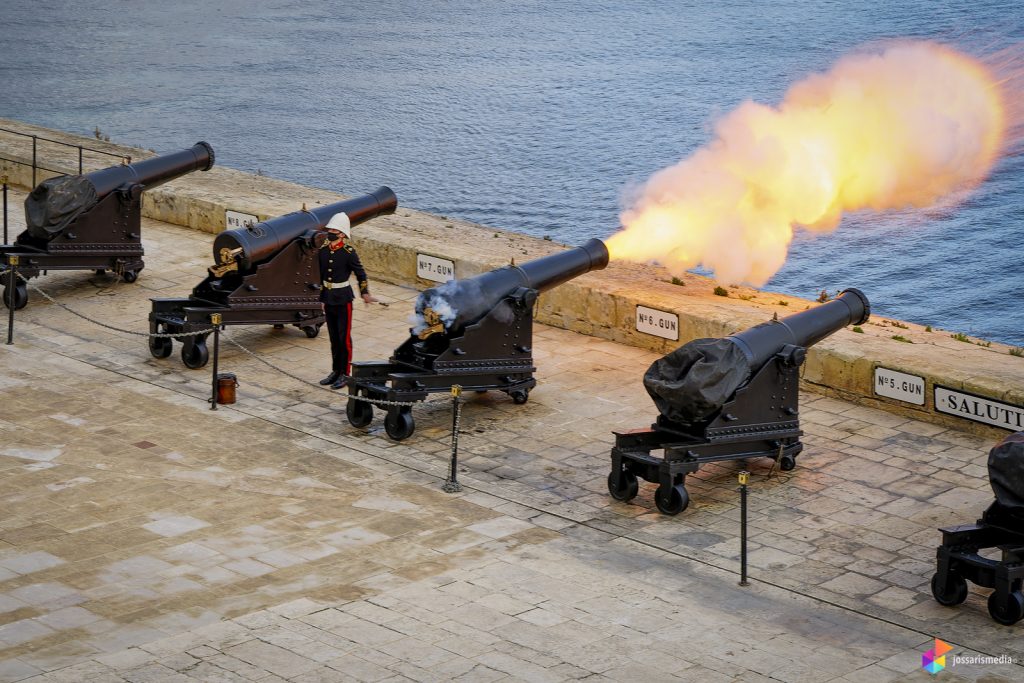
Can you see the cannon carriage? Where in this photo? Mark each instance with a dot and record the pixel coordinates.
(91, 221)
(725, 399)
(476, 333)
(265, 274)
(1001, 528)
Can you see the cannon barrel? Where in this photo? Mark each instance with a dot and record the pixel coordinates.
(153, 172)
(56, 202)
(693, 382)
(254, 244)
(803, 329)
(462, 302)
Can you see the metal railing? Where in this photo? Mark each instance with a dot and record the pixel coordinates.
(36, 166)
(36, 139)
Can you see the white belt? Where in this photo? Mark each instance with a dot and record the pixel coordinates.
(335, 285)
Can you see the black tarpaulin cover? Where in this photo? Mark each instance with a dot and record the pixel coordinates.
(690, 384)
(55, 203)
(1006, 472)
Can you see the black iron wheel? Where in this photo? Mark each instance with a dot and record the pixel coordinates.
(278, 326)
(627, 489)
(399, 424)
(951, 594)
(311, 330)
(160, 347)
(101, 271)
(195, 355)
(787, 463)
(519, 396)
(130, 276)
(359, 413)
(1007, 612)
(672, 501)
(20, 296)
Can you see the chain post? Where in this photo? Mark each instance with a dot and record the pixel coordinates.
(451, 484)
(12, 288)
(34, 140)
(79, 160)
(4, 179)
(215, 320)
(744, 478)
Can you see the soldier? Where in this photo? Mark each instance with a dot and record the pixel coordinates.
(337, 263)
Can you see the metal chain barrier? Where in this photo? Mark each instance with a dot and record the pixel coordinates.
(203, 332)
(357, 397)
(49, 298)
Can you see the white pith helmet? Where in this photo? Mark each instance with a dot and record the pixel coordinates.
(341, 223)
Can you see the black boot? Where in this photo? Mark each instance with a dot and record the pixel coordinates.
(330, 379)
(340, 382)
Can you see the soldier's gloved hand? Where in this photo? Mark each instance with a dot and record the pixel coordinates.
(369, 299)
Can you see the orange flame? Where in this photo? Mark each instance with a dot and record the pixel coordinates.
(908, 127)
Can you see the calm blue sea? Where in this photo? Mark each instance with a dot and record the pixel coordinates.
(528, 116)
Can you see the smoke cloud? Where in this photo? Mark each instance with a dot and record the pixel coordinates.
(912, 125)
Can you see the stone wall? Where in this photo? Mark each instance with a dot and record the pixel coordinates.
(601, 304)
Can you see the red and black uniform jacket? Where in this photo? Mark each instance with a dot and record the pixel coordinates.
(336, 266)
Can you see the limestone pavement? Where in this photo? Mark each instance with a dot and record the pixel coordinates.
(145, 537)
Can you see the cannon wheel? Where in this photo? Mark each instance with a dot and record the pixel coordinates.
(787, 463)
(673, 501)
(195, 355)
(20, 296)
(520, 396)
(953, 593)
(1009, 612)
(311, 332)
(399, 423)
(359, 413)
(628, 486)
(130, 276)
(160, 347)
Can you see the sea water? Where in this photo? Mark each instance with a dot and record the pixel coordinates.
(525, 116)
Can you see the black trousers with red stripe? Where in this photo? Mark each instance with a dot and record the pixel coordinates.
(339, 326)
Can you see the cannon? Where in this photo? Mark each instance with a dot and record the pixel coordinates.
(1001, 526)
(92, 221)
(263, 274)
(725, 399)
(476, 333)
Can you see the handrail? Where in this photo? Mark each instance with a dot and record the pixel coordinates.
(35, 141)
(40, 167)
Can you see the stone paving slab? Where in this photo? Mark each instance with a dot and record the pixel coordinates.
(145, 537)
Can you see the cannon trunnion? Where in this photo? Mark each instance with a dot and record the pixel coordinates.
(265, 274)
(92, 221)
(476, 333)
(725, 399)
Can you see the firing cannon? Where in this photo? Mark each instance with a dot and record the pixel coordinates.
(726, 399)
(1001, 526)
(264, 274)
(93, 221)
(476, 333)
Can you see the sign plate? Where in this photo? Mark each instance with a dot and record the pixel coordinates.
(899, 385)
(658, 323)
(979, 409)
(237, 219)
(434, 268)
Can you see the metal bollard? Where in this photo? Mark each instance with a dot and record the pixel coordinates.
(215, 320)
(744, 477)
(3, 179)
(451, 484)
(12, 286)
